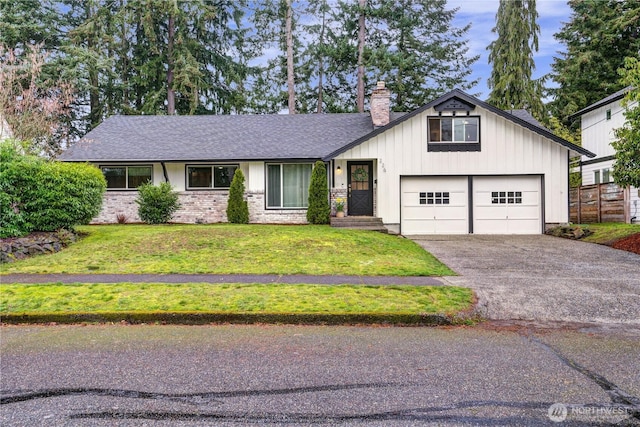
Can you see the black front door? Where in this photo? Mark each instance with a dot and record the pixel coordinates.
(360, 181)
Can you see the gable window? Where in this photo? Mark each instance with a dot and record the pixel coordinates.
(288, 185)
(454, 133)
(210, 176)
(126, 177)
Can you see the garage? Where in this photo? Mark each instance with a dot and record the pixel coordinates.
(435, 205)
(500, 205)
(507, 205)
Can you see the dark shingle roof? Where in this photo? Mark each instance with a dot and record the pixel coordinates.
(527, 117)
(253, 137)
(223, 137)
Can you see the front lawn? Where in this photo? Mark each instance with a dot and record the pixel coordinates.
(272, 299)
(235, 249)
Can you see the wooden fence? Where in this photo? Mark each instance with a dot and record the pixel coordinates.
(598, 203)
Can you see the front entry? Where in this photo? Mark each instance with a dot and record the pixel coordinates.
(360, 185)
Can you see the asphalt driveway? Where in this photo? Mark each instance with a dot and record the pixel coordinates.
(543, 278)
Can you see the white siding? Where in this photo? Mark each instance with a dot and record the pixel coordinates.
(597, 135)
(598, 132)
(506, 148)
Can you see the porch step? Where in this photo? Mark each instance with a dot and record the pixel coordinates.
(360, 223)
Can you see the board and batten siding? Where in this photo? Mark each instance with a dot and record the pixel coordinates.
(506, 149)
(598, 132)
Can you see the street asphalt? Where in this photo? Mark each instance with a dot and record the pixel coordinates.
(227, 375)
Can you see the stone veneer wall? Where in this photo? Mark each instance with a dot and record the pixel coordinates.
(198, 207)
(335, 193)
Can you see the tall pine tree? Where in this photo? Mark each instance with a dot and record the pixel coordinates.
(597, 38)
(511, 56)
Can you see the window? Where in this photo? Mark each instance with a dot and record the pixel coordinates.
(608, 114)
(596, 177)
(126, 177)
(210, 176)
(453, 129)
(288, 185)
(453, 133)
(506, 197)
(434, 198)
(606, 175)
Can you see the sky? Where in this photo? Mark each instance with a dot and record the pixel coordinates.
(482, 16)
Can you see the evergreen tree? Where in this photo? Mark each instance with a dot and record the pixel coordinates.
(512, 57)
(626, 169)
(237, 207)
(318, 211)
(597, 38)
(411, 44)
(29, 22)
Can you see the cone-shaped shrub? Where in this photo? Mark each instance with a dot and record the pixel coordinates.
(237, 208)
(319, 210)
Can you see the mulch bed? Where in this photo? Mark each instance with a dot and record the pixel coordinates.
(629, 243)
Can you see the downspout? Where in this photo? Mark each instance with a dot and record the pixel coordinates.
(164, 172)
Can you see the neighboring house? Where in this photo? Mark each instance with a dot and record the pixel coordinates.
(455, 165)
(599, 122)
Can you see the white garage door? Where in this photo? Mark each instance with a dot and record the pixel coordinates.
(507, 205)
(435, 205)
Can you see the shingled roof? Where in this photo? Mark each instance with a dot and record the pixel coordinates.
(252, 137)
(219, 137)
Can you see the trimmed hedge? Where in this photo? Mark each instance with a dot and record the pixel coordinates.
(45, 195)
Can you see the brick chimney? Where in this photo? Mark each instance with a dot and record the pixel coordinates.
(380, 102)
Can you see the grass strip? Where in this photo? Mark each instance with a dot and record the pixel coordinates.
(235, 249)
(608, 232)
(244, 303)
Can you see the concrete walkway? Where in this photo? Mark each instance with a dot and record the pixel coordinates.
(543, 278)
(221, 278)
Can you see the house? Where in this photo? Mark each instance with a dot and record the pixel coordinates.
(455, 165)
(599, 121)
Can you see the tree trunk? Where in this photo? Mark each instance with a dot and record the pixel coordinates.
(171, 96)
(321, 64)
(361, 40)
(290, 71)
(94, 91)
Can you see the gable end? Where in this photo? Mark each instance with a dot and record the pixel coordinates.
(454, 104)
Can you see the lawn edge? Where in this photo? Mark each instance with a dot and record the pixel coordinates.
(466, 317)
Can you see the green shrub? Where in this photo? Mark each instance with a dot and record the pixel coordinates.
(157, 204)
(42, 195)
(319, 210)
(237, 207)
